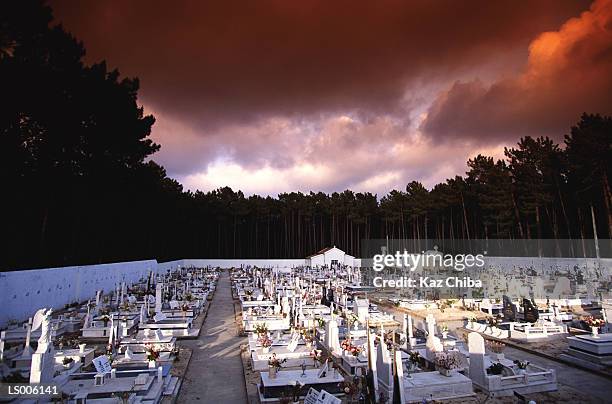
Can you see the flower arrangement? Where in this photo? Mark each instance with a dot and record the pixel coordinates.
(350, 348)
(444, 327)
(316, 355)
(496, 346)
(321, 322)
(414, 357)
(265, 341)
(495, 369)
(261, 329)
(594, 322)
(274, 362)
(152, 353)
(472, 319)
(521, 364)
(67, 360)
(447, 360)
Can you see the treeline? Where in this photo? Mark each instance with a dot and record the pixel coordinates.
(78, 187)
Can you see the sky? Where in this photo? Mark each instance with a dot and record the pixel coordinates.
(278, 96)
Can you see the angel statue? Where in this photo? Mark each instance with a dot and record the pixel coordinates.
(42, 319)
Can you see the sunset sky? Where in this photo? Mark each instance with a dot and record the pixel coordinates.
(275, 96)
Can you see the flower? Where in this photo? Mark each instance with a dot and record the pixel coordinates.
(265, 341)
(594, 322)
(275, 362)
(447, 360)
(521, 364)
(152, 352)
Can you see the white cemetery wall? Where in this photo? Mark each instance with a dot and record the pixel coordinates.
(22, 293)
(230, 263)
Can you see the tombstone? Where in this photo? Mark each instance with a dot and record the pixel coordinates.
(331, 337)
(361, 309)
(399, 379)
(158, 298)
(509, 309)
(530, 311)
(384, 369)
(128, 354)
(41, 370)
(102, 364)
(476, 347)
(27, 349)
(411, 339)
(143, 314)
(293, 343)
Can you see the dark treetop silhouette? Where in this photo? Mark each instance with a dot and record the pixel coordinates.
(78, 187)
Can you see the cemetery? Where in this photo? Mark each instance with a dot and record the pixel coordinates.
(311, 334)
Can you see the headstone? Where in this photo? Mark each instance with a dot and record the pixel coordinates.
(509, 309)
(158, 298)
(102, 364)
(312, 396)
(476, 347)
(159, 317)
(27, 349)
(293, 343)
(530, 311)
(128, 354)
(331, 337)
(384, 369)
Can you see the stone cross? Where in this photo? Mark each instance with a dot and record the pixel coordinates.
(476, 348)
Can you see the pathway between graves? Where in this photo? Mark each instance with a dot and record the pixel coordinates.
(215, 372)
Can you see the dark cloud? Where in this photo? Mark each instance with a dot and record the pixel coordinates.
(273, 96)
(569, 71)
(218, 61)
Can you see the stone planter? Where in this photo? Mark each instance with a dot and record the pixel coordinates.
(272, 372)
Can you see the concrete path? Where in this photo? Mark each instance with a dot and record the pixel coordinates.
(215, 372)
(589, 383)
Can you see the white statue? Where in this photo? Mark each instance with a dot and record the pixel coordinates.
(42, 319)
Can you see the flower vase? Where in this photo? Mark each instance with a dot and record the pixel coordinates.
(82, 348)
(521, 371)
(266, 349)
(272, 372)
(445, 372)
(595, 332)
(152, 364)
(444, 334)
